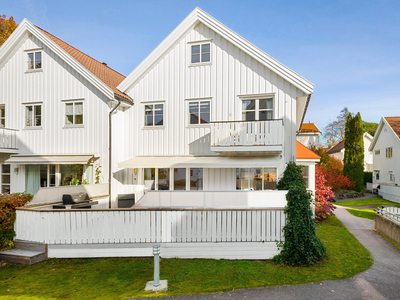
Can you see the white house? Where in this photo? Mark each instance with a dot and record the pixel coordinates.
(337, 152)
(212, 113)
(386, 148)
(309, 134)
(55, 103)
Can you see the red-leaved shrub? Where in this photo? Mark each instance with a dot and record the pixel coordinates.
(323, 196)
(8, 203)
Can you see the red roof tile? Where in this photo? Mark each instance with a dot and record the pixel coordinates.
(302, 152)
(109, 76)
(394, 122)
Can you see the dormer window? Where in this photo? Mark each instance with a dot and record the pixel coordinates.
(201, 53)
(34, 60)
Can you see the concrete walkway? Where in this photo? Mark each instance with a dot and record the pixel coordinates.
(381, 281)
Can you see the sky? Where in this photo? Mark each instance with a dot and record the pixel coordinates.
(350, 50)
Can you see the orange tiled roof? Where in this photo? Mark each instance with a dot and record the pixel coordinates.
(394, 122)
(302, 152)
(309, 127)
(109, 76)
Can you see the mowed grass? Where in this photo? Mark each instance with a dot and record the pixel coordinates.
(371, 201)
(362, 213)
(123, 278)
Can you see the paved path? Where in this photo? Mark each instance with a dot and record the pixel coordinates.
(381, 281)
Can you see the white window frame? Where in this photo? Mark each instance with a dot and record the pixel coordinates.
(378, 152)
(1, 178)
(189, 115)
(2, 117)
(74, 102)
(389, 152)
(262, 180)
(199, 43)
(154, 114)
(391, 176)
(33, 67)
(257, 98)
(34, 115)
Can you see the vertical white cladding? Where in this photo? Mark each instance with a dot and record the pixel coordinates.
(55, 82)
(174, 80)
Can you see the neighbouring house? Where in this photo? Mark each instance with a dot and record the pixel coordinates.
(386, 167)
(337, 152)
(55, 103)
(308, 159)
(212, 113)
(309, 134)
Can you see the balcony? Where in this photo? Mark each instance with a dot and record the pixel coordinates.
(242, 137)
(8, 140)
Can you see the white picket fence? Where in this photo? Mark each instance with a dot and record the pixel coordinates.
(250, 133)
(392, 213)
(149, 226)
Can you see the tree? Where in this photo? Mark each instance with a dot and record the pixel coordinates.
(353, 163)
(301, 245)
(323, 196)
(6, 28)
(334, 131)
(370, 127)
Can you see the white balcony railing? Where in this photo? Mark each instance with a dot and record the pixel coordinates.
(246, 133)
(8, 138)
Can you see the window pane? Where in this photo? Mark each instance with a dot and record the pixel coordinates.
(6, 169)
(242, 179)
(159, 121)
(159, 114)
(3, 112)
(248, 104)
(69, 119)
(79, 119)
(196, 179)
(194, 112)
(196, 49)
(205, 118)
(205, 112)
(180, 179)
(205, 57)
(149, 178)
(205, 48)
(256, 179)
(79, 108)
(38, 121)
(249, 116)
(195, 58)
(269, 179)
(38, 60)
(148, 112)
(163, 179)
(43, 175)
(5, 189)
(38, 110)
(265, 103)
(30, 60)
(29, 115)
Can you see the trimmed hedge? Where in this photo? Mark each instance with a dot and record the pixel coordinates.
(367, 177)
(8, 203)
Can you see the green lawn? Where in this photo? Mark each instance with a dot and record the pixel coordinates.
(122, 278)
(375, 201)
(362, 213)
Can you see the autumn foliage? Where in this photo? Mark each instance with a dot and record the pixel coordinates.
(323, 196)
(8, 203)
(6, 28)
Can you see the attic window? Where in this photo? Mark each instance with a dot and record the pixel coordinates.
(201, 53)
(34, 60)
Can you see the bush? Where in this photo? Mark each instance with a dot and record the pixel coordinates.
(367, 177)
(323, 196)
(8, 203)
(301, 245)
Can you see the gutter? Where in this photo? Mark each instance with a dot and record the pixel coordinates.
(110, 150)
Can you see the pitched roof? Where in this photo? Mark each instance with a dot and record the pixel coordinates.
(199, 16)
(337, 148)
(309, 127)
(394, 122)
(302, 152)
(109, 76)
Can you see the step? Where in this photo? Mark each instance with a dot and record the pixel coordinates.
(22, 256)
(33, 246)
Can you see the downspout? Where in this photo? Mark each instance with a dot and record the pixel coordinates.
(109, 151)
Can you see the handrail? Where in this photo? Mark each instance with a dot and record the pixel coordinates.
(247, 121)
(9, 129)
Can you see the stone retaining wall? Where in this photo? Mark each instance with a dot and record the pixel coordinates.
(388, 228)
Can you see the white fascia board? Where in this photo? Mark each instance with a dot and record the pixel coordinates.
(26, 26)
(377, 133)
(198, 15)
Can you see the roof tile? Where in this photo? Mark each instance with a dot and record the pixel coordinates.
(302, 152)
(394, 122)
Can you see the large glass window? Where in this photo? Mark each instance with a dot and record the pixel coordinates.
(154, 114)
(74, 113)
(71, 174)
(5, 178)
(256, 179)
(201, 53)
(199, 112)
(163, 179)
(180, 179)
(150, 178)
(34, 60)
(196, 179)
(257, 109)
(33, 115)
(2, 116)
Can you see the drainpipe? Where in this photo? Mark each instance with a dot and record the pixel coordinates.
(109, 151)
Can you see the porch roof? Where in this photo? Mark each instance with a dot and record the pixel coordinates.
(71, 159)
(198, 162)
